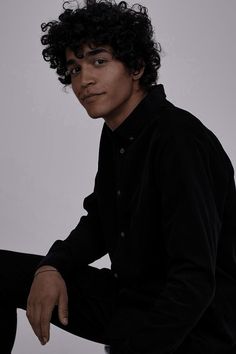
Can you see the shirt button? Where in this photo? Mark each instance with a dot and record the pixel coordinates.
(115, 275)
(122, 234)
(131, 138)
(122, 150)
(118, 192)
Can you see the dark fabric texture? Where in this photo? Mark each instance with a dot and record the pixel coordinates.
(164, 209)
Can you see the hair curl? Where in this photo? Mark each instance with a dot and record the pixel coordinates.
(128, 30)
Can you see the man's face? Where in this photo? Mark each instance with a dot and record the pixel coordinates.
(103, 84)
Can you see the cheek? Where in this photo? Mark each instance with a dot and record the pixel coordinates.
(74, 87)
(116, 76)
(76, 91)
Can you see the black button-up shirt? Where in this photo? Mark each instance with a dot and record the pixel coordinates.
(164, 209)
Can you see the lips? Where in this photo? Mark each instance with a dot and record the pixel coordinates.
(91, 95)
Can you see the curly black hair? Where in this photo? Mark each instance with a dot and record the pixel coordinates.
(128, 30)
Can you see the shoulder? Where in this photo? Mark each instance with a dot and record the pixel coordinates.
(179, 124)
(179, 129)
(177, 121)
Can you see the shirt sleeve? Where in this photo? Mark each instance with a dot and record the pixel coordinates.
(191, 224)
(84, 245)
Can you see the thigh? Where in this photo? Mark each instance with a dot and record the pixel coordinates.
(16, 275)
(92, 297)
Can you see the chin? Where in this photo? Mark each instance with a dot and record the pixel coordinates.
(94, 115)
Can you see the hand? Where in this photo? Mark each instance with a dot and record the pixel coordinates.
(48, 290)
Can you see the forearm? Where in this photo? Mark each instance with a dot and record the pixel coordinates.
(84, 245)
(78, 250)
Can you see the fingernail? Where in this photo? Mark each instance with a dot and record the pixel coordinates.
(44, 341)
(65, 321)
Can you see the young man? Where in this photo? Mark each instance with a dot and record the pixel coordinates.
(163, 207)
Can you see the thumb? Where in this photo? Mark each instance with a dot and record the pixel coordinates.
(63, 309)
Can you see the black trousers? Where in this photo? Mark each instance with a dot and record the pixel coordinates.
(91, 299)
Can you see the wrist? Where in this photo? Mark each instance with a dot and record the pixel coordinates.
(45, 269)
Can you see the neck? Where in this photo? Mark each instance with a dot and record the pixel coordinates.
(123, 112)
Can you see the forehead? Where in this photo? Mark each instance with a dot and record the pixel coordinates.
(86, 50)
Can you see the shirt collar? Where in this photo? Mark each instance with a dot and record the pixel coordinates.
(143, 113)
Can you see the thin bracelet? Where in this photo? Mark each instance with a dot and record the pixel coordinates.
(46, 270)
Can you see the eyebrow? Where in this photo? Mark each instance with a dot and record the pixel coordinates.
(88, 54)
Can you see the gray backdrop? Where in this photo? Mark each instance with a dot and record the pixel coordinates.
(48, 145)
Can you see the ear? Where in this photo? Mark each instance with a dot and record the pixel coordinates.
(138, 73)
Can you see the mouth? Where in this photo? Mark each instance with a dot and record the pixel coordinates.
(91, 96)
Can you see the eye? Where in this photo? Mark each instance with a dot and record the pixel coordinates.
(73, 71)
(99, 61)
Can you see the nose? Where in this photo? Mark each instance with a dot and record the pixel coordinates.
(86, 77)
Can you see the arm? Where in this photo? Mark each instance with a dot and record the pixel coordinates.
(191, 224)
(84, 245)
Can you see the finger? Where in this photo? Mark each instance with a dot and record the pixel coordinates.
(46, 316)
(33, 314)
(63, 308)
